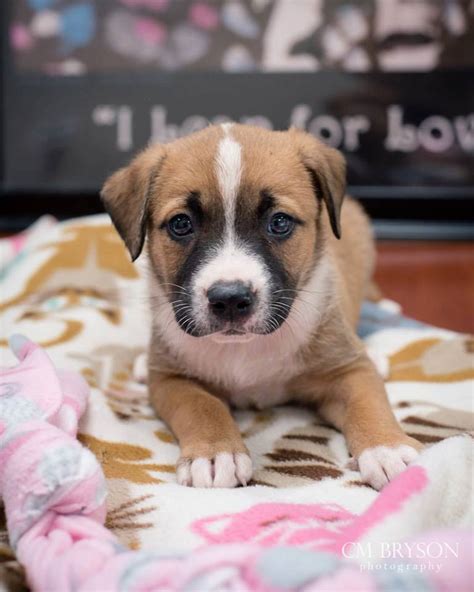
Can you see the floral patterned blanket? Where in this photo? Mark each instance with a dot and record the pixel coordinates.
(71, 288)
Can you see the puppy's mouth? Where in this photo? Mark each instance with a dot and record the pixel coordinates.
(232, 336)
(230, 332)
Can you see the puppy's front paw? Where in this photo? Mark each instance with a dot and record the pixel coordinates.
(381, 464)
(223, 470)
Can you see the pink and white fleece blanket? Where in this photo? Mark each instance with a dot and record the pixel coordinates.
(103, 511)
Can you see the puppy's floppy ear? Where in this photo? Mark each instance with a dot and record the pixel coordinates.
(327, 168)
(125, 196)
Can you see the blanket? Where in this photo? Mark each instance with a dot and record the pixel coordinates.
(71, 288)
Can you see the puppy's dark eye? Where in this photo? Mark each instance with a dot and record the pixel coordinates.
(180, 225)
(280, 225)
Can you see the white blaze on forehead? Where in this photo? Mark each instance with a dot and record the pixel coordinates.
(228, 173)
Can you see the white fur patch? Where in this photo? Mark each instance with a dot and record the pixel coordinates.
(229, 173)
(224, 470)
(231, 263)
(381, 464)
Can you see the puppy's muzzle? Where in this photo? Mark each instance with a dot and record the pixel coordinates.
(231, 302)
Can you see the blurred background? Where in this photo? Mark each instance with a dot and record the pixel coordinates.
(86, 84)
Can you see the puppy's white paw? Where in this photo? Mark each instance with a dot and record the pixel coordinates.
(224, 470)
(381, 464)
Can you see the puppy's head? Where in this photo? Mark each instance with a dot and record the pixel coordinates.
(232, 216)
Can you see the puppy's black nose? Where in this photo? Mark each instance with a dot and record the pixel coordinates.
(230, 301)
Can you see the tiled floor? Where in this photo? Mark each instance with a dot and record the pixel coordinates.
(433, 281)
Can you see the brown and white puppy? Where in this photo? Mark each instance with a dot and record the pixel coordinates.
(256, 294)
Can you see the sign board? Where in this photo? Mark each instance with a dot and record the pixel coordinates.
(76, 108)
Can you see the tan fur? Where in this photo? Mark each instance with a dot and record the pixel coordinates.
(330, 371)
(200, 421)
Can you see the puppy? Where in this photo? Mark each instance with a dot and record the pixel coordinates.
(258, 275)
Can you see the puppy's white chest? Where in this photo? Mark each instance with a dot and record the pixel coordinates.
(244, 376)
(259, 396)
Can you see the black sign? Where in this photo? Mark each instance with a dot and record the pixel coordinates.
(409, 132)
(88, 85)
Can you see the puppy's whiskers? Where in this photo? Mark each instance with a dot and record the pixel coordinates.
(298, 290)
(288, 309)
(174, 285)
(285, 320)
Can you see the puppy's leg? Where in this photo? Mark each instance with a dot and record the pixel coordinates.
(213, 453)
(355, 402)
